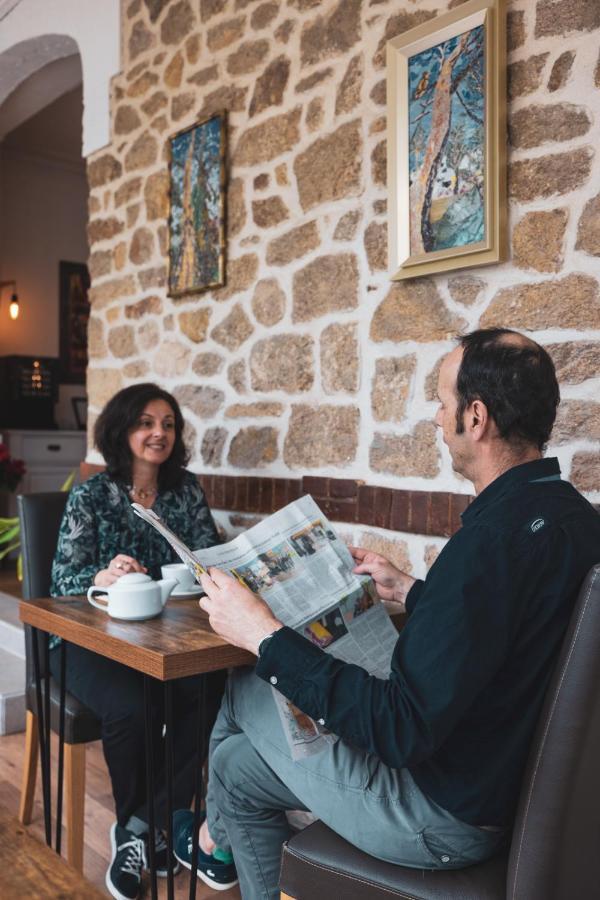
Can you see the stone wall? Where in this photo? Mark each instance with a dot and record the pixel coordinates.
(310, 360)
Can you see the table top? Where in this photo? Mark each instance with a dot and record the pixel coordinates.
(176, 643)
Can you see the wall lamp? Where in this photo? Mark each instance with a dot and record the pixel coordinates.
(13, 309)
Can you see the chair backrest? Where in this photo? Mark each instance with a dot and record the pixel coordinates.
(40, 516)
(554, 851)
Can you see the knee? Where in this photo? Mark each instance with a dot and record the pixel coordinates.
(229, 769)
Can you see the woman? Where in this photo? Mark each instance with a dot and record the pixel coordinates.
(139, 434)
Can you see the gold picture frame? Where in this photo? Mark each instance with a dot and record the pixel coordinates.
(197, 213)
(446, 142)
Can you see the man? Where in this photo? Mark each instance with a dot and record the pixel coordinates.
(427, 767)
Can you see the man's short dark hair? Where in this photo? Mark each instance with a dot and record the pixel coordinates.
(119, 416)
(515, 378)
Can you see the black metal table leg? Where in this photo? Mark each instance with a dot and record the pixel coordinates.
(169, 784)
(61, 745)
(42, 734)
(150, 784)
(199, 784)
(47, 728)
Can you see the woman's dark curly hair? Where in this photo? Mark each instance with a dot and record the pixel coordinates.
(119, 416)
(515, 378)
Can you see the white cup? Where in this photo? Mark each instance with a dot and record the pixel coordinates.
(181, 574)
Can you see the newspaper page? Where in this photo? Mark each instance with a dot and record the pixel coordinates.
(295, 560)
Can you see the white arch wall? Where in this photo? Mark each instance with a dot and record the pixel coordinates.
(50, 27)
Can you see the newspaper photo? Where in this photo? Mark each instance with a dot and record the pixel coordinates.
(295, 560)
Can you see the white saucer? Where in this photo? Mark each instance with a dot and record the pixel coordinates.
(181, 595)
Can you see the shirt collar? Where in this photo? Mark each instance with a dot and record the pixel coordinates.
(526, 472)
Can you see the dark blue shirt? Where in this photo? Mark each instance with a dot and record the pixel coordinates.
(472, 664)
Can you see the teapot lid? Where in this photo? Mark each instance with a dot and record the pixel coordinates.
(132, 578)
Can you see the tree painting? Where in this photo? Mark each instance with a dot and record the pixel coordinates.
(446, 143)
(195, 249)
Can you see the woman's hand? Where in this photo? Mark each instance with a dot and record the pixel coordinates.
(238, 615)
(392, 584)
(119, 565)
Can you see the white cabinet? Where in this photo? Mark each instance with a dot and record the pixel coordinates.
(49, 456)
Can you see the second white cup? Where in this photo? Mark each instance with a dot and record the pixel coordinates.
(181, 573)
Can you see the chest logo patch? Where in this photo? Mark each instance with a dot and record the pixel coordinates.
(537, 524)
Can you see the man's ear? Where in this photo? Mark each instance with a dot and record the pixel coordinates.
(477, 419)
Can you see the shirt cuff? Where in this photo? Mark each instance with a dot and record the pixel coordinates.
(413, 595)
(285, 660)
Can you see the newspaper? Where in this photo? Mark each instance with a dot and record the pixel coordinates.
(295, 560)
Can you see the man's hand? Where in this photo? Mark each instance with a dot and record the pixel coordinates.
(238, 615)
(392, 584)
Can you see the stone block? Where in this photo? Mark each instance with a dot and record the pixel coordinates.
(558, 17)
(254, 410)
(575, 361)
(103, 229)
(306, 84)
(293, 244)
(236, 207)
(571, 302)
(339, 359)
(576, 420)
(143, 153)
(253, 448)
(263, 15)
(141, 247)
(409, 455)
(269, 212)
(225, 33)
(155, 277)
(346, 228)
(321, 436)
(194, 323)
(126, 120)
(538, 240)
(213, 443)
(270, 86)
(525, 76)
(121, 341)
(588, 228)
(348, 92)
(547, 176)
(268, 302)
(100, 263)
(178, 22)
(210, 8)
(585, 471)
(391, 387)
(465, 289)
(102, 384)
(234, 330)
(146, 306)
(156, 195)
(241, 274)
(96, 343)
(328, 284)
(236, 376)
(226, 97)
(148, 335)
(103, 170)
(330, 168)
(315, 113)
(398, 24)
(379, 163)
(204, 401)
(104, 293)
(207, 364)
(140, 40)
(172, 359)
(515, 28)
(270, 139)
(535, 125)
(142, 85)
(282, 363)
(331, 35)
(561, 70)
(174, 71)
(128, 191)
(414, 311)
(209, 73)
(375, 241)
(247, 57)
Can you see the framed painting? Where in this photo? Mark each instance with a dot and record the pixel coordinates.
(197, 207)
(447, 142)
(74, 283)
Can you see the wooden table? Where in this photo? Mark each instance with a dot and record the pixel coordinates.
(177, 643)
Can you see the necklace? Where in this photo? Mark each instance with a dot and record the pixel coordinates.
(142, 493)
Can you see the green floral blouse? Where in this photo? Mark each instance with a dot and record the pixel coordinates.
(99, 523)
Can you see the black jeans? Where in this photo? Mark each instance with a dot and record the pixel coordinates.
(115, 694)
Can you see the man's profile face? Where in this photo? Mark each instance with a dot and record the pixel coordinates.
(445, 417)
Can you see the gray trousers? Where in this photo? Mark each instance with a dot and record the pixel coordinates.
(253, 780)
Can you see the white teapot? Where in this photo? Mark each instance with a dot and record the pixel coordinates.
(133, 597)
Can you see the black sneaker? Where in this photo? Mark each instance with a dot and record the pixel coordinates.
(160, 855)
(218, 875)
(124, 875)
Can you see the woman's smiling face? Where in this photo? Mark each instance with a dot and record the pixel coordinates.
(152, 438)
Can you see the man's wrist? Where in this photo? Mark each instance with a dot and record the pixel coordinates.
(264, 636)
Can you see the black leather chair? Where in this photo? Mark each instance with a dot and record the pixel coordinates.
(555, 841)
(40, 516)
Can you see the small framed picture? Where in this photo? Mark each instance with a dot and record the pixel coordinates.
(197, 207)
(447, 141)
(79, 405)
(74, 282)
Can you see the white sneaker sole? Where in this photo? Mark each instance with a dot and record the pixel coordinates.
(215, 885)
(112, 890)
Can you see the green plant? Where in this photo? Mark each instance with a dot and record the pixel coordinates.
(10, 531)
